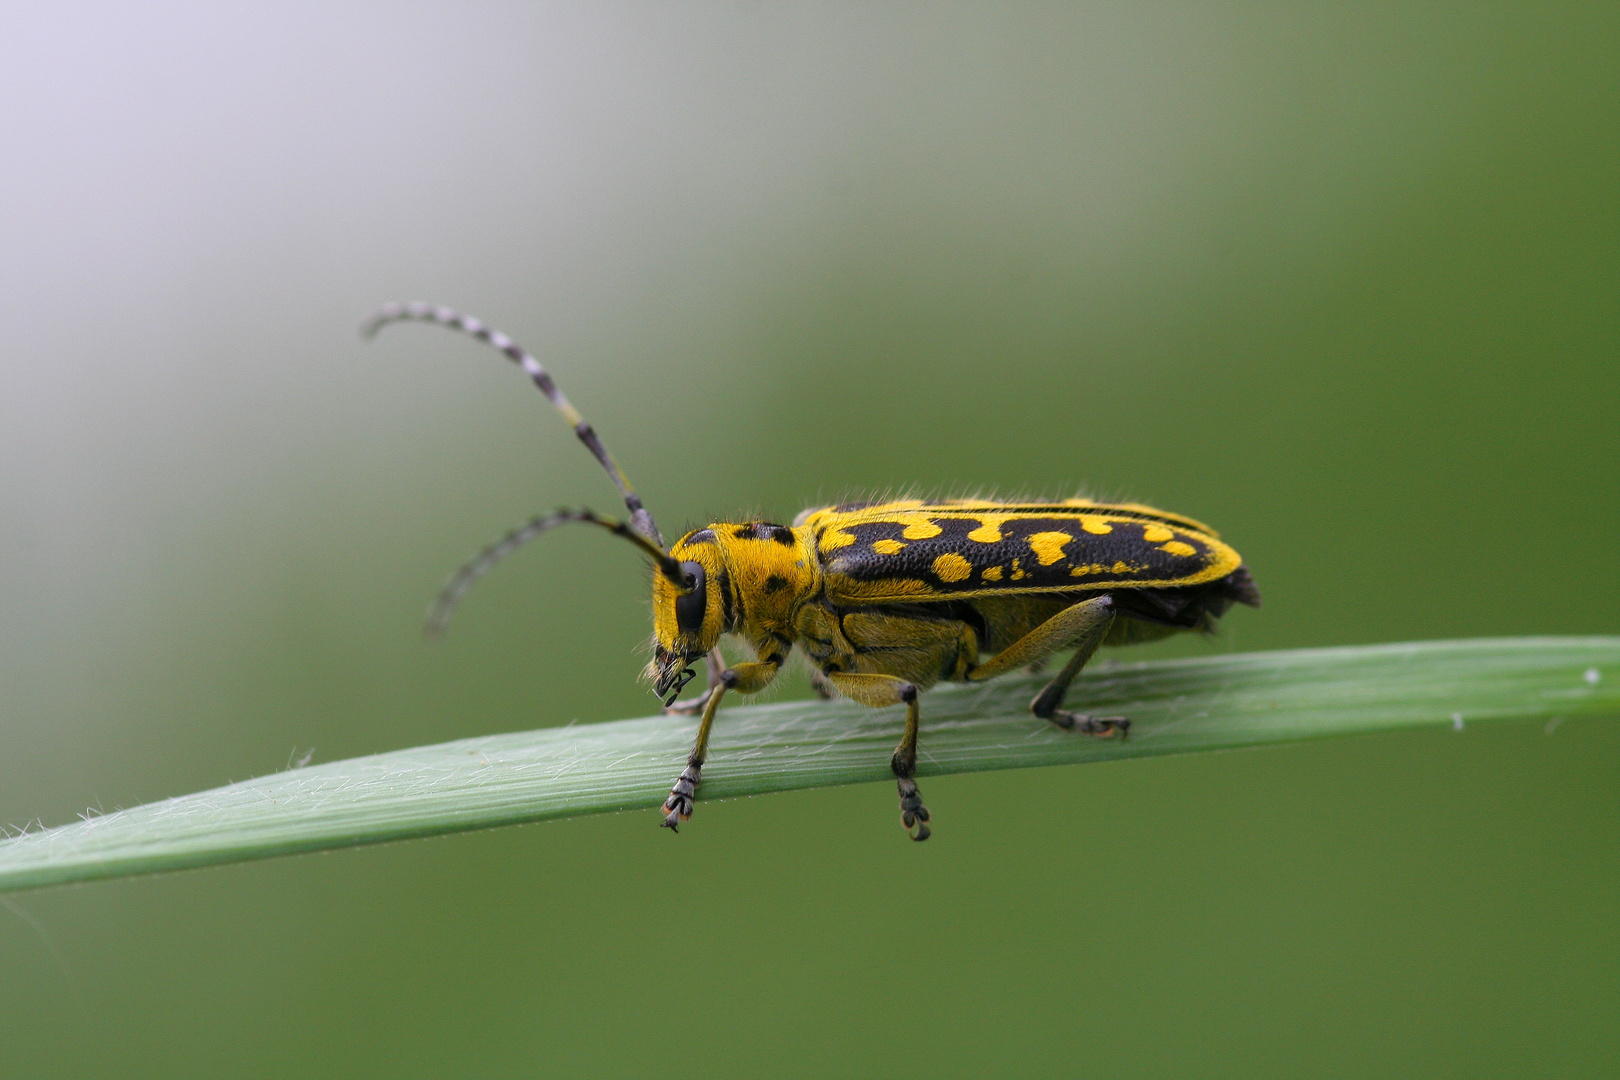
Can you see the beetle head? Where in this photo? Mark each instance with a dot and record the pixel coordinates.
(687, 622)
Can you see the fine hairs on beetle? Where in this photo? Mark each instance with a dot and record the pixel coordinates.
(887, 598)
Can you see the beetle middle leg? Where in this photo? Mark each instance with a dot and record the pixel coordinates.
(1084, 625)
(877, 691)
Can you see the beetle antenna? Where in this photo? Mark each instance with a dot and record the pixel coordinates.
(640, 519)
(444, 605)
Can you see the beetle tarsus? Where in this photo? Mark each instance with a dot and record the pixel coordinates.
(1103, 727)
(913, 814)
(681, 797)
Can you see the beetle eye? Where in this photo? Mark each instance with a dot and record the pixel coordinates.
(690, 609)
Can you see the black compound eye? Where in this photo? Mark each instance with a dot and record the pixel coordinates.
(690, 609)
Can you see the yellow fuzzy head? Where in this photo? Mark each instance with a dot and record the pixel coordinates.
(745, 578)
(686, 624)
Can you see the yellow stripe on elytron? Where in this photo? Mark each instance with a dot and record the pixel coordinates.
(824, 515)
(879, 592)
(835, 538)
(1120, 567)
(1048, 546)
(989, 532)
(918, 526)
(1141, 508)
(919, 520)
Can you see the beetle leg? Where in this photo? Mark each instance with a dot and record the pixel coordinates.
(1047, 701)
(904, 765)
(1083, 626)
(745, 679)
(877, 691)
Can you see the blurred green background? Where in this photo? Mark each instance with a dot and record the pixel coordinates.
(1342, 280)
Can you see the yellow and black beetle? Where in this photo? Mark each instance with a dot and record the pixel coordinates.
(888, 598)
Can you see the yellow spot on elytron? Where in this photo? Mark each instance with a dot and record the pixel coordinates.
(1121, 568)
(919, 527)
(987, 533)
(889, 547)
(1176, 547)
(1095, 525)
(1048, 546)
(1017, 574)
(1088, 570)
(1156, 534)
(952, 567)
(835, 538)
(992, 573)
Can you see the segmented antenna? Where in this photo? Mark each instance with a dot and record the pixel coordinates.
(444, 605)
(443, 316)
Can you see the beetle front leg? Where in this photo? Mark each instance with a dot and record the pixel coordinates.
(745, 679)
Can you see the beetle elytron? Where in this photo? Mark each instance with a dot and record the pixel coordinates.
(888, 598)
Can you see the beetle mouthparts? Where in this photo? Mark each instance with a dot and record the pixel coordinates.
(672, 682)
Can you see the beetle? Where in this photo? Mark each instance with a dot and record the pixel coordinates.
(888, 598)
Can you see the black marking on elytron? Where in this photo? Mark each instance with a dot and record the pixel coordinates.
(743, 532)
(701, 536)
(783, 536)
(1145, 564)
(775, 584)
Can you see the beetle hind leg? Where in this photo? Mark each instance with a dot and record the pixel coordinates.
(1104, 727)
(1047, 702)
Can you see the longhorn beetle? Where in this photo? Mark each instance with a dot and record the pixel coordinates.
(888, 598)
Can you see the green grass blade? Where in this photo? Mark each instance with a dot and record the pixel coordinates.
(1176, 707)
